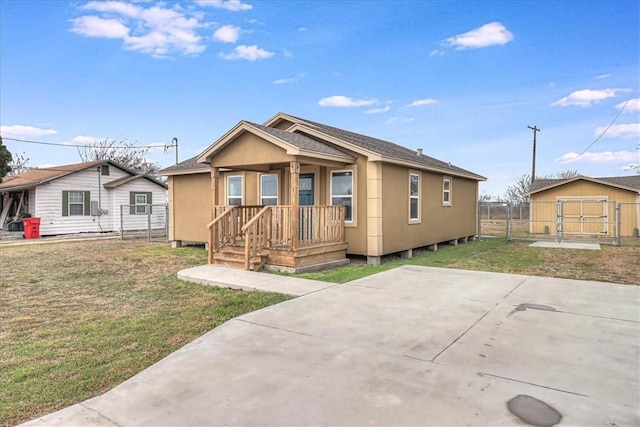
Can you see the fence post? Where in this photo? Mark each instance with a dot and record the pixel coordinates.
(121, 224)
(479, 227)
(559, 221)
(509, 218)
(166, 222)
(618, 235)
(149, 223)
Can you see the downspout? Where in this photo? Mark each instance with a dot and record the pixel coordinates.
(100, 197)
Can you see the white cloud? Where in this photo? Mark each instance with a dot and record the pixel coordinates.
(249, 53)
(384, 109)
(302, 29)
(632, 106)
(436, 53)
(399, 120)
(94, 26)
(230, 5)
(287, 80)
(227, 34)
(603, 76)
(628, 130)
(490, 34)
(21, 131)
(345, 101)
(585, 97)
(421, 102)
(83, 139)
(601, 157)
(155, 30)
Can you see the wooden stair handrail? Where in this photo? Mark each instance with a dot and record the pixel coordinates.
(254, 219)
(219, 217)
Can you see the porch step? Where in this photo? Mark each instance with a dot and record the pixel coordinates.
(234, 258)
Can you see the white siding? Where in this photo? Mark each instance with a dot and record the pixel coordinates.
(32, 202)
(48, 202)
(120, 196)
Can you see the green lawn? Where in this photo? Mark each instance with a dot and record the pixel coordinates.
(76, 319)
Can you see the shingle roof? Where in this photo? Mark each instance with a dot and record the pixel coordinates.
(189, 164)
(385, 148)
(35, 177)
(121, 181)
(631, 181)
(301, 141)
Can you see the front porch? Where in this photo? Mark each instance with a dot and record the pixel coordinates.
(290, 238)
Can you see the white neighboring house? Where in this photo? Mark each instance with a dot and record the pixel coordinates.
(83, 197)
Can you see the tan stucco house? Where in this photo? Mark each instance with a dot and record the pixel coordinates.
(587, 205)
(295, 193)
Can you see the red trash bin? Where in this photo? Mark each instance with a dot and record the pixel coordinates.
(31, 228)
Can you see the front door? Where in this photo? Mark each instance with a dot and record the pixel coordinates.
(306, 198)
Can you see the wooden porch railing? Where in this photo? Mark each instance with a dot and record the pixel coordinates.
(257, 235)
(270, 227)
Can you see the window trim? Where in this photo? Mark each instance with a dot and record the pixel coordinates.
(277, 196)
(418, 197)
(352, 195)
(137, 205)
(241, 197)
(448, 192)
(70, 203)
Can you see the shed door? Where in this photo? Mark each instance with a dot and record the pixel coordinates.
(585, 215)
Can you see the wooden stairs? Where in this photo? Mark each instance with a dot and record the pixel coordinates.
(233, 256)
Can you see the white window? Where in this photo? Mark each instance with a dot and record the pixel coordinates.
(234, 190)
(76, 203)
(342, 192)
(141, 204)
(414, 197)
(268, 189)
(446, 191)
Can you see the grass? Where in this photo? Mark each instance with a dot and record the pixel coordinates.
(611, 264)
(78, 318)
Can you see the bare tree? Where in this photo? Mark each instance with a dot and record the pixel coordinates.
(124, 153)
(484, 197)
(20, 164)
(515, 193)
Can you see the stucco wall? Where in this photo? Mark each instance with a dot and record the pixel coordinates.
(438, 223)
(189, 207)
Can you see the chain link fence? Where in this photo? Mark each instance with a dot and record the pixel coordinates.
(576, 220)
(149, 222)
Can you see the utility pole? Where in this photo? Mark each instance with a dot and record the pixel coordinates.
(533, 165)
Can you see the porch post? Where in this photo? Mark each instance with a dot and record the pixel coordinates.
(213, 235)
(294, 168)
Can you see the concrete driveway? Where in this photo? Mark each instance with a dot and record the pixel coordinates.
(411, 346)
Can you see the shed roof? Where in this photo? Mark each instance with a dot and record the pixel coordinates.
(631, 182)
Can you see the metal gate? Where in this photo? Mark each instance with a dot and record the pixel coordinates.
(149, 222)
(594, 220)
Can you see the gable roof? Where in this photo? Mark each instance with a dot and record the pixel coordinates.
(309, 137)
(388, 151)
(35, 177)
(631, 183)
(185, 167)
(121, 181)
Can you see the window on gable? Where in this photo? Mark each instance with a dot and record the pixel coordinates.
(104, 170)
(234, 190)
(342, 192)
(446, 191)
(268, 189)
(414, 197)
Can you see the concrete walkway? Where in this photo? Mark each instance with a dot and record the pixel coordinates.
(410, 346)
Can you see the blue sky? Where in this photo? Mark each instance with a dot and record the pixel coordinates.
(460, 79)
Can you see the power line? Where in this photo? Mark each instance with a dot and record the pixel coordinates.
(60, 144)
(610, 124)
